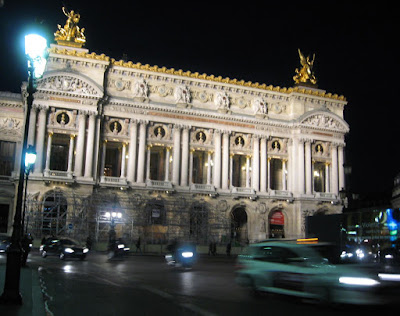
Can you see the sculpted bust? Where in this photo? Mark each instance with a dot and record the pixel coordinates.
(140, 89)
(182, 94)
(222, 101)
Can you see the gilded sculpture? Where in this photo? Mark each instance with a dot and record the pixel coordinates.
(70, 34)
(305, 75)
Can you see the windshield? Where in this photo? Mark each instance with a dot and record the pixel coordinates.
(68, 242)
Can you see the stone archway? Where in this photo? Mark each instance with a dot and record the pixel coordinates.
(276, 222)
(239, 230)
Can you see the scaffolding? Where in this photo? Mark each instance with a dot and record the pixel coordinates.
(157, 218)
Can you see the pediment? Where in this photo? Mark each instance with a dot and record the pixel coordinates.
(68, 83)
(324, 120)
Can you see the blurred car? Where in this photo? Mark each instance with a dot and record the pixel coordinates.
(64, 248)
(4, 243)
(298, 270)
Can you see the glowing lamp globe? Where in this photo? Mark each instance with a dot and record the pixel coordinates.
(35, 49)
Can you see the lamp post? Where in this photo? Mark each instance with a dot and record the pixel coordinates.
(35, 50)
(30, 158)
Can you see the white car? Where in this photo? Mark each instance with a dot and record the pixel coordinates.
(298, 270)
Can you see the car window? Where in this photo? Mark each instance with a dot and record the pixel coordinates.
(67, 242)
(270, 254)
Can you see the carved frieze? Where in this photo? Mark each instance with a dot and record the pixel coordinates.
(65, 83)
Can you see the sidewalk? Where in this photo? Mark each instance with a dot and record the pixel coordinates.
(31, 291)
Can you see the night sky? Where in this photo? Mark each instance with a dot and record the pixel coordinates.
(355, 47)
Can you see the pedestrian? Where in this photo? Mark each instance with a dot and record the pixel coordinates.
(210, 248)
(138, 245)
(214, 248)
(228, 249)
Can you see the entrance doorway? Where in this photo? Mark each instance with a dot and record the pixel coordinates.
(239, 232)
(276, 225)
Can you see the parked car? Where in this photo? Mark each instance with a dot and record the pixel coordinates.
(298, 270)
(4, 243)
(64, 248)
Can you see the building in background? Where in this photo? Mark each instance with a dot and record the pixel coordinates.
(178, 154)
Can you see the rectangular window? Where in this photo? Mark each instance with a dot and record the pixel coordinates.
(7, 157)
(200, 167)
(157, 163)
(59, 152)
(239, 169)
(276, 174)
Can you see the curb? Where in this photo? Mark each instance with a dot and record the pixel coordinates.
(46, 297)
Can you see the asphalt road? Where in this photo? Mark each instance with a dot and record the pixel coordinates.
(145, 285)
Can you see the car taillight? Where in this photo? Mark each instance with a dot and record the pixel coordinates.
(239, 266)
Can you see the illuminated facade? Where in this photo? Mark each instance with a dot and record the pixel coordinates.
(253, 159)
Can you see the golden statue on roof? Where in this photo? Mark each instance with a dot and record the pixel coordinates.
(70, 34)
(305, 75)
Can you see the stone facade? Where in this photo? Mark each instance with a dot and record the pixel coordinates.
(257, 158)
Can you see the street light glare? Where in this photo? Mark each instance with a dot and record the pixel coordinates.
(35, 49)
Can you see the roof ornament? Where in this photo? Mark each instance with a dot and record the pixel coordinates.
(70, 34)
(305, 76)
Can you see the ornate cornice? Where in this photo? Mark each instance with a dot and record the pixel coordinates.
(195, 75)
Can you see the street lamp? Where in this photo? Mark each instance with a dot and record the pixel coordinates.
(30, 158)
(35, 51)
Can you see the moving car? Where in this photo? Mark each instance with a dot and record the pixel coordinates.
(64, 248)
(298, 270)
(4, 243)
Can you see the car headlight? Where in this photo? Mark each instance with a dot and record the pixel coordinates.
(187, 254)
(120, 246)
(358, 281)
(68, 250)
(85, 250)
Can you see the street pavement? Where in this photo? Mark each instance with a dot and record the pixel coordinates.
(144, 285)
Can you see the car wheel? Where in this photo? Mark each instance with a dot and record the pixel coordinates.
(323, 295)
(254, 292)
(62, 256)
(44, 254)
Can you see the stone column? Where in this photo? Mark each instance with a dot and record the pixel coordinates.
(167, 154)
(209, 168)
(131, 172)
(80, 144)
(70, 154)
(40, 139)
(308, 167)
(185, 156)
(32, 126)
(141, 152)
(90, 145)
(176, 155)
(148, 162)
(284, 185)
(48, 153)
(191, 166)
(123, 161)
(300, 170)
(256, 163)
(217, 159)
(103, 158)
(263, 165)
(342, 184)
(269, 173)
(334, 179)
(327, 178)
(248, 184)
(225, 160)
